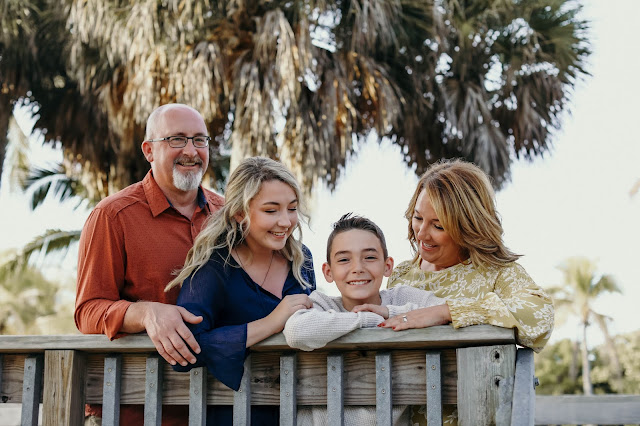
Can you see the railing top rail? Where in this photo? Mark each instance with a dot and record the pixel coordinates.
(369, 339)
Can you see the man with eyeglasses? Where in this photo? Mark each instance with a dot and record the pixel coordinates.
(134, 240)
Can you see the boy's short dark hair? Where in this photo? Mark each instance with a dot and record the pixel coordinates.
(348, 222)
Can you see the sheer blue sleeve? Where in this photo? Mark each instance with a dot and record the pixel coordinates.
(307, 269)
(223, 348)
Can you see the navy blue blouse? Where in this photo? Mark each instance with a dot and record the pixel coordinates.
(228, 299)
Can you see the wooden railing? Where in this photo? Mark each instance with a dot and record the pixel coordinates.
(478, 368)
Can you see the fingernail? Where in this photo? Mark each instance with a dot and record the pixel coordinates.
(198, 350)
(394, 328)
(173, 362)
(184, 364)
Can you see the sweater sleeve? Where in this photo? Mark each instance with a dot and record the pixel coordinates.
(516, 302)
(309, 329)
(404, 298)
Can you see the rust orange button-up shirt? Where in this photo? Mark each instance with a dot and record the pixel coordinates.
(129, 247)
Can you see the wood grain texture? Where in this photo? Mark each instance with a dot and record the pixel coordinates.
(444, 336)
(481, 371)
(63, 396)
(408, 375)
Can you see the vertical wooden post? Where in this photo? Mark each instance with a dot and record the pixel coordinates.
(198, 397)
(434, 389)
(153, 391)
(64, 383)
(384, 412)
(524, 395)
(1, 367)
(481, 372)
(335, 389)
(242, 398)
(288, 397)
(31, 389)
(111, 390)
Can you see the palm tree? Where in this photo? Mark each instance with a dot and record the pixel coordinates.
(300, 80)
(582, 287)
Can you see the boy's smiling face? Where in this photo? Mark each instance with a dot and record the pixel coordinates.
(357, 265)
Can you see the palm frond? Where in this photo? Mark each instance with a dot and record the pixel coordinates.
(53, 240)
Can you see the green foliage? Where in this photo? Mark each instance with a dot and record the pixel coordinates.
(559, 367)
(487, 80)
(31, 304)
(628, 350)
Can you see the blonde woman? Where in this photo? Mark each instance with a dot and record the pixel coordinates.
(456, 234)
(246, 274)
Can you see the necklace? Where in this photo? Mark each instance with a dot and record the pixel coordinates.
(268, 269)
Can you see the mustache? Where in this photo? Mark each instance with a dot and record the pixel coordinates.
(186, 159)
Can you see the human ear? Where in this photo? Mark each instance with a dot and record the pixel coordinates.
(239, 217)
(147, 151)
(388, 266)
(326, 270)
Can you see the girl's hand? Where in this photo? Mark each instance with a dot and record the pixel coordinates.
(419, 318)
(383, 311)
(287, 307)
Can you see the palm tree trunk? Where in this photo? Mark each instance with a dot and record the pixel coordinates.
(587, 388)
(6, 109)
(613, 354)
(573, 368)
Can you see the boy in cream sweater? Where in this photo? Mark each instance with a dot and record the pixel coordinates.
(357, 260)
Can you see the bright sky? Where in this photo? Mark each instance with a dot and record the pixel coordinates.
(574, 201)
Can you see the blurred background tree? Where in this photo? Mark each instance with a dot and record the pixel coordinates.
(559, 367)
(576, 297)
(299, 80)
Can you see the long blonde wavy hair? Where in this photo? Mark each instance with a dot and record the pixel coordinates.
(223, 231)
(463, 199)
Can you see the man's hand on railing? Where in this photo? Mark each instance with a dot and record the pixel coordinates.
(165, 325)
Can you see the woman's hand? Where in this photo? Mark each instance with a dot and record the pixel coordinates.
(383, 311)
(419, 318)
(287, 307)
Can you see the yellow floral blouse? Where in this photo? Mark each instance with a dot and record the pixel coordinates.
(503, 296)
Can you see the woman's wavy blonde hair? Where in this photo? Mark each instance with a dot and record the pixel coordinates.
(223, 231)
(463, 199)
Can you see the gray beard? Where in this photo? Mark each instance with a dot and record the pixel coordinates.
(187, 181)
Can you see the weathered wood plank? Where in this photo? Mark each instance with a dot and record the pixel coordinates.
(443, 336)
(480, 373)
(111, 390)
(524, 397)
(32, 389)
(580, 409)
(1, 368)
(434, 389)
(242, 398)
(335, 389)
(288, 378)
(384, 394)
(408, 379)
(13, 374)
(153, 391)
(63, 397)
(198, 397)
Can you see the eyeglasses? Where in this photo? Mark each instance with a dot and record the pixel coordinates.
(181, 141)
